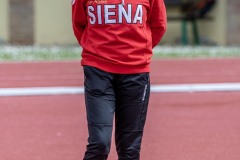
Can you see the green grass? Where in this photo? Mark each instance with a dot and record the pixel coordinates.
(36, 53)
(196, 52)
(39, 53)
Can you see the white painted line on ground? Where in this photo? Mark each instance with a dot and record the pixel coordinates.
(38, 91)
(210, 87)
(168, 88)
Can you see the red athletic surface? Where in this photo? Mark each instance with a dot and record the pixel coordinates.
(180, 126)
(162, 72)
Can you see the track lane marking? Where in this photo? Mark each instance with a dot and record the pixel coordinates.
(164, 88)
(197, 87)
(40, 91)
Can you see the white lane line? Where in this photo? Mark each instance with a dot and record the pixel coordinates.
(35, 91)
(209, 87)
(168, 88)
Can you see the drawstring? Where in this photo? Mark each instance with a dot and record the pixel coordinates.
(123, 2)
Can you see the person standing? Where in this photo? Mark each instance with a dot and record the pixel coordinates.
(117, 37)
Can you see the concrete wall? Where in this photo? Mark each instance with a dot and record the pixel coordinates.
(216, 29)
(4, 33)
(233, 30)
(173, 27)
(53, 22)
(210, 30)
(21, 22)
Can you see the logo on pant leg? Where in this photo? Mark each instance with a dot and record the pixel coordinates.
(144, 92)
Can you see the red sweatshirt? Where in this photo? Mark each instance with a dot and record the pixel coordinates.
(117, 36)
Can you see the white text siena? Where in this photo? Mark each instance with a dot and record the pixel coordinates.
(113, 14)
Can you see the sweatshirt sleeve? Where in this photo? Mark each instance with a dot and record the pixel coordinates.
(79, 18)
(157, 20)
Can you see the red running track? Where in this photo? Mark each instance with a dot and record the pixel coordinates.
(162, 72)
(180, 126)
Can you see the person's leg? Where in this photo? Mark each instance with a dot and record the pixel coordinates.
(100, 107)
(132, 96)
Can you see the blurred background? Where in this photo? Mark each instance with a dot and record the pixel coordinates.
(195, 73)
(41, 22)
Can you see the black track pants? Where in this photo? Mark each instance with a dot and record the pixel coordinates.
(126, 96)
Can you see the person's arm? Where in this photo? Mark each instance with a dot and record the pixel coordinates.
(158, 20)
(79, 18)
